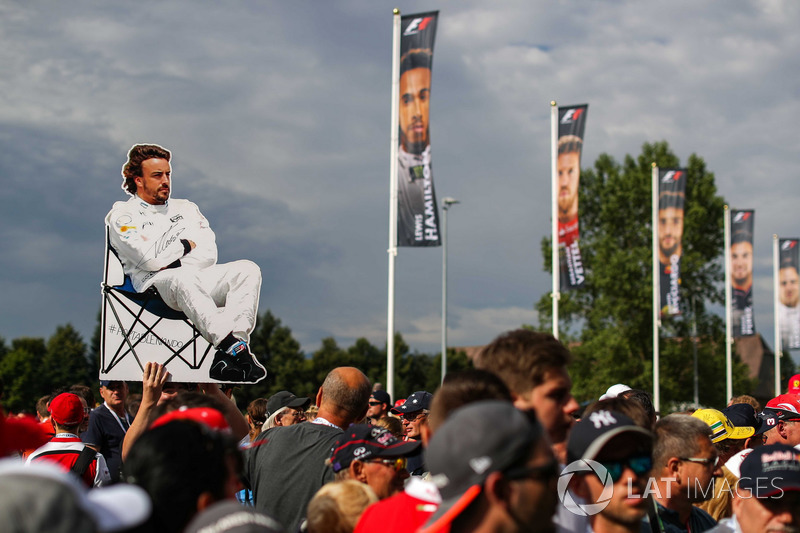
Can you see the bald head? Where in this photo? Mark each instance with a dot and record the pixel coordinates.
(344, 395)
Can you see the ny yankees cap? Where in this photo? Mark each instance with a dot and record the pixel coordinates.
(590, 434)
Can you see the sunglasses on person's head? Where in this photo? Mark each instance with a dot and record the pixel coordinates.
(640, 464)
(398, 463)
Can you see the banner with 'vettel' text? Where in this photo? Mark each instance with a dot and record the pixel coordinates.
(417, 210)
(741, 252)
(789, 293)
(571, 125)
(671, 206)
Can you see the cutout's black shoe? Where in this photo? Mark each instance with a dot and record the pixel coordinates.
(237, 367)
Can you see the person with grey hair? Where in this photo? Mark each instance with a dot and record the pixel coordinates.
(685, 462)
(285, 466)
(285, 409)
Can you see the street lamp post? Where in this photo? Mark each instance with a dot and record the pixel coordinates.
(446, 203)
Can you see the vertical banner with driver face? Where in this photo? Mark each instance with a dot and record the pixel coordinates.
(741, 252)
(671, 204)
(417, 210)
(571, 125)
(789, 293)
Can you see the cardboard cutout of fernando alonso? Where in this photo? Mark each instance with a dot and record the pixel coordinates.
(167, 243)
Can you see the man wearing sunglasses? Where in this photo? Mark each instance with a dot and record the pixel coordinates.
(685, 462)
(379, 405)
(623, 452)
(414, 413)
(374, 456)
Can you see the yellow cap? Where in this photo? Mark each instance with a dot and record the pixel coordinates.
(721, 427)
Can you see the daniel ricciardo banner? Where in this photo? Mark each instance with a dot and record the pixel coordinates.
(571, 124)
(741, 251)
(417, 210)
(671, 204)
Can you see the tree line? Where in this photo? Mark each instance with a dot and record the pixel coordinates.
(33, 367)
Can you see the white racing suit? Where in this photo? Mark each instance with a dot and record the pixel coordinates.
(218, 299)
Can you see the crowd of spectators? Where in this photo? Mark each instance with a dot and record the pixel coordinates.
(502, 447)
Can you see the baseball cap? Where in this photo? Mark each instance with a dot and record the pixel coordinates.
(381, 396)
(744, 415)
(362, 441)
(476, 440)
(209, 417)
(67, 409)
(794, 384)
(590, 434)
(63, 503)
(771, 469)
(416, 402)
(229, 516)
(721, 427)
(107, 382)
(614, 391)
(784, 407)
(284, 398)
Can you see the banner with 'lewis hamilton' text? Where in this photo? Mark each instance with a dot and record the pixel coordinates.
(741, 252)
(417, 210)
(671, 206)
(571, 125)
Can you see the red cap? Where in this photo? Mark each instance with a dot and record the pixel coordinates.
(67, 409)
(211, 418)
(794, 384)
(784, 407)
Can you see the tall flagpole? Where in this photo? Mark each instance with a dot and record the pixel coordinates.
(656, 294)
(728, 310)
(775, 301)
(395, 139)
(556, 294)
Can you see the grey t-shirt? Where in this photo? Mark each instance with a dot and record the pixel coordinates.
(285, 467)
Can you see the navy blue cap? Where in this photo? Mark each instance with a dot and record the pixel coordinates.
(416, 402)
(362, 442)
(770, 470)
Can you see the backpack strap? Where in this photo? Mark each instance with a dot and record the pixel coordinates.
(85, 458)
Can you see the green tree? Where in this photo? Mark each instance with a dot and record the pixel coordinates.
(21, 372)
(65, 361)
(608, 323)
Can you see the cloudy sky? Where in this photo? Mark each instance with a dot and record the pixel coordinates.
(278, 115)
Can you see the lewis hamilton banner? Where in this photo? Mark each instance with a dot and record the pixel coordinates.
(417, 210)
(671, 204)
(571, 124)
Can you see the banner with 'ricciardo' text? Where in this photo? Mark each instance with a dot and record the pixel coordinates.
(671, 205)
(788, 293)
(417, 210)
(741, 252)
(571, 125)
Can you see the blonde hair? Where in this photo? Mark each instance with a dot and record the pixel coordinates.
(337, 506)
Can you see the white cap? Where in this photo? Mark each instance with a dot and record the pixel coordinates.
(614, 391)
